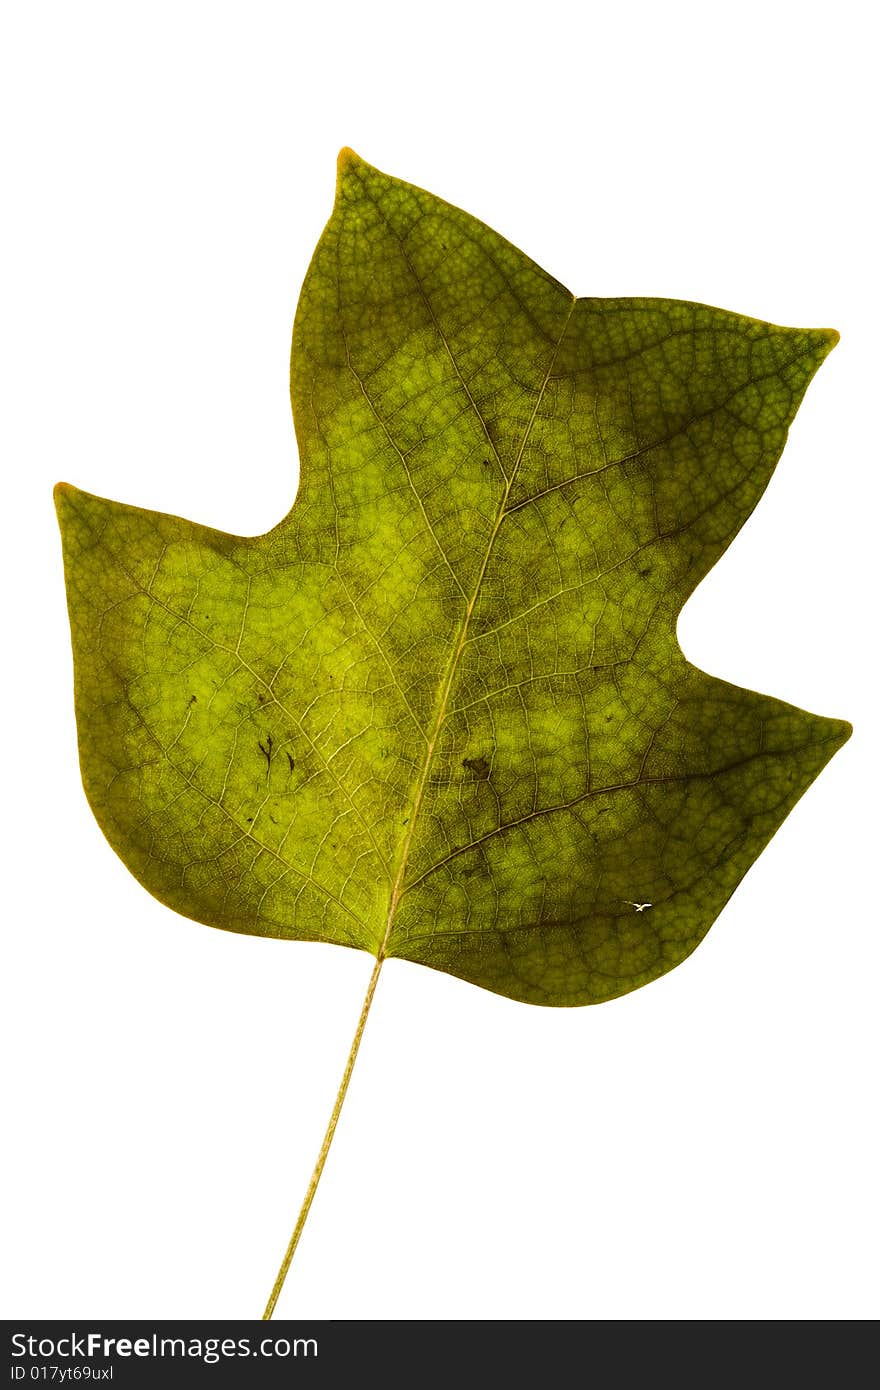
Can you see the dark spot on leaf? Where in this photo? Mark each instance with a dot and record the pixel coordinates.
(645, 572)
(193, 699)
(290, 762)
(608, 718)
(266, 750)
(478, 766)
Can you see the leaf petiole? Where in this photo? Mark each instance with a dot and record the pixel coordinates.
(325, 1147)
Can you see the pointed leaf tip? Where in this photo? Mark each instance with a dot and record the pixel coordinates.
(348, 166)
(824, 340)
(347, 161)
(62, 494)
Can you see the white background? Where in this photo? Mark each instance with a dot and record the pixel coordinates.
(703, 1148)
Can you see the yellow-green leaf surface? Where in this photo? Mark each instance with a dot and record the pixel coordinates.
(440, 711)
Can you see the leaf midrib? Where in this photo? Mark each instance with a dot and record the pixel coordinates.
(449, 675)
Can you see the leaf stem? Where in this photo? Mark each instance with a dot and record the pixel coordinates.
(325, 1147)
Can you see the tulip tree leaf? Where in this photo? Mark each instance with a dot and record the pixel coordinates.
(440, 711)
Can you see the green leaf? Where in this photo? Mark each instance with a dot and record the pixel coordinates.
(440, 712)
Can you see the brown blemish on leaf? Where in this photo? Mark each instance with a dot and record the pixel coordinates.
(478, 766)
(266, 750)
